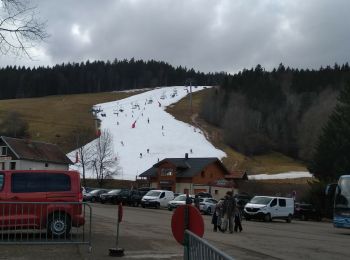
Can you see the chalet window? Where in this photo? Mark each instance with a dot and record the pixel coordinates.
(1, 181)
(166, 172)
(3, 151)
(202, 174)
(12, 165)
(216, 192)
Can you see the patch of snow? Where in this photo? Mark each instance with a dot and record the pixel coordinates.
(279, 176)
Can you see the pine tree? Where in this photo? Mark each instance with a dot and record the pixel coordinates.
(331, 158)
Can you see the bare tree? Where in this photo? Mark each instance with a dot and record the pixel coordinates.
(83, 137)
(13, 125)
(312, 122)
(104, 161)
(19, 27)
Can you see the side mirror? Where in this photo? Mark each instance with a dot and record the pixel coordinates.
(331, 188)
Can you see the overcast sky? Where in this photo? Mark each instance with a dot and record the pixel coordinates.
(207, 35)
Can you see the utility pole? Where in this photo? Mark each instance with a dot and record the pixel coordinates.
(191, 97)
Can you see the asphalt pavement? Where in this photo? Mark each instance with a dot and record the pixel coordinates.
(146, 234)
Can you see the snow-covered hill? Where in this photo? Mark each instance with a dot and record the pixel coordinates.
(156, 134)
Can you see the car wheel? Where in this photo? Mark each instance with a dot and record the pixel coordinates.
(143, 205)
(170, 209)
(59, 225)
(247, 218)
(267, 217)
(157, 206)
(302, 217)
(93, 199)
(103, 202)
(289, 218)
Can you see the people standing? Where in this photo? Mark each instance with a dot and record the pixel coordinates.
(217, 215)
(238, 220)
(196, 201)
(188, 199)
(229, 206)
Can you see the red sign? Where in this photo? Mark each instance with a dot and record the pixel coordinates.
(120, 213)
(195, 222)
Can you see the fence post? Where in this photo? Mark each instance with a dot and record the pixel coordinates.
(186, 246)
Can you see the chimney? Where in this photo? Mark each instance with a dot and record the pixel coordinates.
(186, 156)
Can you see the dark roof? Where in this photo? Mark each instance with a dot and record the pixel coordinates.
(185, 167)
(36, 151)
(238, 175)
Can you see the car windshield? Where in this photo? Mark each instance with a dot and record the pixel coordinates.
(94, 192)
(261, 200)
(153, 193)
(113, 192)
(344, 184)
(180, 198)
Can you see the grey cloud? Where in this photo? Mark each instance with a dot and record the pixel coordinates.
(208, 35)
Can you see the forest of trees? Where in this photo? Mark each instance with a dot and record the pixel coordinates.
(284, 110)
(97, 76)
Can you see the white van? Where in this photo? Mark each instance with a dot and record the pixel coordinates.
(157, 198)
(268, 208)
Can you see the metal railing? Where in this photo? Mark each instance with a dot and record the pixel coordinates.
(197, 248)
(45, 223)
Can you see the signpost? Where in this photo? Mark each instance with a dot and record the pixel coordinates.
(118, 251)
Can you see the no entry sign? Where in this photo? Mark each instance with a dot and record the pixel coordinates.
(194, 223)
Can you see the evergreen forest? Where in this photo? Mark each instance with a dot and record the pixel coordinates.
(284, 110)
(97, 76)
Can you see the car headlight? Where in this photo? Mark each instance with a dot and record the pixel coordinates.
(263, 208)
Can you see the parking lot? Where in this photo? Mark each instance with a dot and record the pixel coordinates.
(146, 234)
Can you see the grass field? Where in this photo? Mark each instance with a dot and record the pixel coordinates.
(53, 119)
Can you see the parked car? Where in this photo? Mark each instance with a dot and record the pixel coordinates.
(305, 211)
(178, 201)
(135, 197)
(94, 195)
(89, 189)
(268, 208)
(207, 205)
(157, 198)
(110, 196)
(41, 186)
(144, 190)
(242, 199)
(204, 195)
(178, 194)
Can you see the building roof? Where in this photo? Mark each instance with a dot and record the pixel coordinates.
(186, 167)
(238, 175)
(36, 151)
